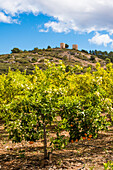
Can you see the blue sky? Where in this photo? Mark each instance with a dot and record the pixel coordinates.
(27, 24)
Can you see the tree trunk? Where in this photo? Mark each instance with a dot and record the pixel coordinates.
(45, 142)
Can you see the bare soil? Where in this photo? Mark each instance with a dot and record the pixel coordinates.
(84, 155)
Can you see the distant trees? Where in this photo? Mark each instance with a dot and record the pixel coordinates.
(85, 51)
(48, 47)
(25, 51)
(66, 45)
(107, 56)
(16, 50)
(35, 50)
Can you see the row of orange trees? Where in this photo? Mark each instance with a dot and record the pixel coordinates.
(29, 104)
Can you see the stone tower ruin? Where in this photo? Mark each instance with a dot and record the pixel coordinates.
(75, 46)
(62, 45)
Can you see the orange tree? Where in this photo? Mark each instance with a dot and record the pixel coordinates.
(83, 105)
(30, 103)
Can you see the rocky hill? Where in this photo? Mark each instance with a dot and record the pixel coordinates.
(28, 59)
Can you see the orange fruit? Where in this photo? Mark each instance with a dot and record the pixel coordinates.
(76, 140)
(83, 138)
(71, 125)
(72, 141)
(90, 136)
(85, 134)
(31, 142)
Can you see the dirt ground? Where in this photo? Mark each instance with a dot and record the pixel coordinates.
(86, 155)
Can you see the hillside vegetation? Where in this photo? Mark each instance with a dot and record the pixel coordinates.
(26, 60)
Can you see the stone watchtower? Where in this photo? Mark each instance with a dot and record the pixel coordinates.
(75, 46)
(62, 45)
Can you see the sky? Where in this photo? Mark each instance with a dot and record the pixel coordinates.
(27, 24)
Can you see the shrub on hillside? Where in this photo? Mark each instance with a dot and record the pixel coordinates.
(64, 57)
(35, 50)
(48, 47)
(16, 50)
(85, 51)
(92, 58)
(34, 60)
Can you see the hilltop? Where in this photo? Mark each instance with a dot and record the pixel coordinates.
(26, 60)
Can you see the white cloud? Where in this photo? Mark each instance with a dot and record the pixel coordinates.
(82, 15)
(43, 30)
(4, 18)
(60, 26)
(103, 39)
